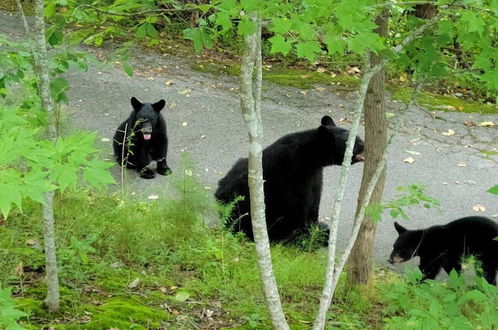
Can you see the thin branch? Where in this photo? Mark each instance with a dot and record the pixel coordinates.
(138, 13)
(23, 16)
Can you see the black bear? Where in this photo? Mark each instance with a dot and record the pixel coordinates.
(292, 170)
(445, 246)
(142, 138)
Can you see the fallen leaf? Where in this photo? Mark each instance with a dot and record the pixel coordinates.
(487, 124)
(389, 114)
(105, 140)
(174, 287)
(203, 137)
(320, 69)
(304, 76)
(461, 164)
(320, 89)
(415, 153)
(134, 283)
(461, 107)
(188, 172)
(32, 242)
(175, 312)
(153, 197)
(409, 160)
(450, 132)
(479, 208)
(303, 92)
(169, 83)
(184, 124)
(186, 91)
(353, 70)
(163, 290)
(469, 123)
(150, 78)
(85, 319)
(403, 78)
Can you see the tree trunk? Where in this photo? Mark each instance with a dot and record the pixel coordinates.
(360, 262)
(41, 69)
(250, 99)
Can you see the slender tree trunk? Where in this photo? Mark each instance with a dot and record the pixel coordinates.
(41, 69)
(250, 99)
(360, 262)
(333, 272)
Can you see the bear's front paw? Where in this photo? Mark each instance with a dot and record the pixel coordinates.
(146, 173)
(163, 169)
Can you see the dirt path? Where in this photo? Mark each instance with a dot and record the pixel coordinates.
(203, 117)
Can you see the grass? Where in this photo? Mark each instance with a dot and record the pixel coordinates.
(126, 263)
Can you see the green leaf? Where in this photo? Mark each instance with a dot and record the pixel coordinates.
(306, 32)
(473, 22)
(280, 45)
(55, 38)
(246, 27)
(493, 190)
(308, 50)
(49, 10)
(194, 34)
(151, 31)
(97, 177)
(141, 31)
(280, 25)
(58, 87)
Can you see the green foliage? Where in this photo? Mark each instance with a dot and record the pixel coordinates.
(493, 190)
(435, 305)
(412, 195)
(8, 312)
(31, 166)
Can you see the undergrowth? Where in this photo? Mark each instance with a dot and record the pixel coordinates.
(125, 263)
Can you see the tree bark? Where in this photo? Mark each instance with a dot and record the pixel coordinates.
(361, 258)
(41, 69)
(250, 100)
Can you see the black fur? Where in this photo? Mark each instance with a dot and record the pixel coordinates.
(445, 246)
(292, 170)
(132, 149)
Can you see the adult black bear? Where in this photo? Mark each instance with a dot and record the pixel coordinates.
(292, 170)
(445, 246)
(142, 138)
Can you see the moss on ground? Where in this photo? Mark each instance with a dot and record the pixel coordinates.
(124, 313)
(279, 75)
(442, 102)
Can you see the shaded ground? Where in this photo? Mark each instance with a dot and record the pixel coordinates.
(203, 117)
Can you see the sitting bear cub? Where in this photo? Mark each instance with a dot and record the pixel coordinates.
(292, 170)
(142, 138)
(445, 246)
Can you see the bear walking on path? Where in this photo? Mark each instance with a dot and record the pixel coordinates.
(292, 170)
(445, 246)
(142, 138)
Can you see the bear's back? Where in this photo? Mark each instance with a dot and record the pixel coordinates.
(474, 234)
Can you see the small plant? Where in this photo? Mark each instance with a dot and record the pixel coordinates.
(9, 315)
(412, 195)
(457, 304)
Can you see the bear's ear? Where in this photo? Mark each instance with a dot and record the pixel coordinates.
(399, 228)
(136, 104)
(158, 106)
(327, 121)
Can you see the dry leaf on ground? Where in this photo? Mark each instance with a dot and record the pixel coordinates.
(479, 208)
(450, 132)
(409, 160)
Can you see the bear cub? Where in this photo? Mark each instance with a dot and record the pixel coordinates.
(292, 170)
(445, 246)
(142, 138)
